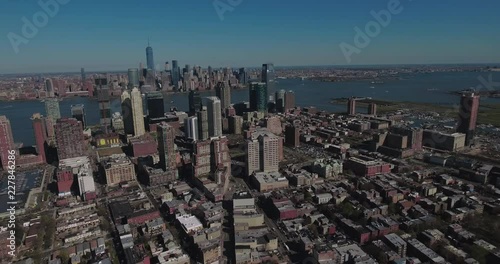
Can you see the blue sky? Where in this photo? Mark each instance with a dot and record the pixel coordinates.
(112, 34)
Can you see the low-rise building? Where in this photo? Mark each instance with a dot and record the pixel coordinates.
(268, 181)
(118, 169)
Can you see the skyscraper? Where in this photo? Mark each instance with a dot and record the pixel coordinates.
(6, 141)
(214, 116)
(40, 135)
(372, 109)
(84, 77)
(49, 87)
(103, 99)
(133, 78)
(351, 106)
(209, 72)
(289, 100)
(467, 116)
(223, 91)
(166, 146)
(268, 75)
(176, 75)
(292, 136)
(137, 112)
(154, 102)
(191, 128)
(128, 119)
(149, 58)
(195, 103)
(203, 131)
(243, 76)
(258, 97)
(69, 138)
(52, 109)
(280, 101)
(141, 73)
(78, 113)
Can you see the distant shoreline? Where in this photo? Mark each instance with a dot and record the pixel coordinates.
(111, 96)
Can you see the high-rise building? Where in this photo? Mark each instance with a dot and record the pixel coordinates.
(258, 97)
(223, 91)
(149, 58)
(6, 141)
(203, 131)
(49, 87)
(154, 102)
(191, 128)
(268, 76)
(166, 146)
(84, 77)
(176, 75)
(40, 135)
(263, 152)
(280, 101)
(292, 136)
(372, 109)
(78, 113)
(467, 116)
(289, 101)
(103, 97)
(52, 109)
(243, 76)
(221, 160)
(69, 138)
(351, 106)
(137, 112)
(195, 102)
(127, 116)
(141, 72)
(235, 124)
(133, 78)
(150, 78)
(214, 116)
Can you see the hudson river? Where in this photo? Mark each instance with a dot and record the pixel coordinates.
(430, 88)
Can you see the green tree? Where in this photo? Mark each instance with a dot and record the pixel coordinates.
(64, 256)
(476, 252)
(49, 226)
(19, 234)
(307, 196)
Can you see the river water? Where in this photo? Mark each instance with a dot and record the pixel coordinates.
(429, 88)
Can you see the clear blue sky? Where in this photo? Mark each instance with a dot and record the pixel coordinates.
(112, 34)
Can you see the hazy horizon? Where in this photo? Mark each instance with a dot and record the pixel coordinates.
(113, 35)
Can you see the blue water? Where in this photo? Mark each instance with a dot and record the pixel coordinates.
(431, 88)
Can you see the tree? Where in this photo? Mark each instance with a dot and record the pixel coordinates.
(307, 196)
(476, 252)
(19, 234)
(102, 211)
(392, 209)
(64, 256)
(49, 225)
(105, 224)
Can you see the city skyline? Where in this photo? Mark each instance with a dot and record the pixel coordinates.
(313, 37)
(387, 150)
